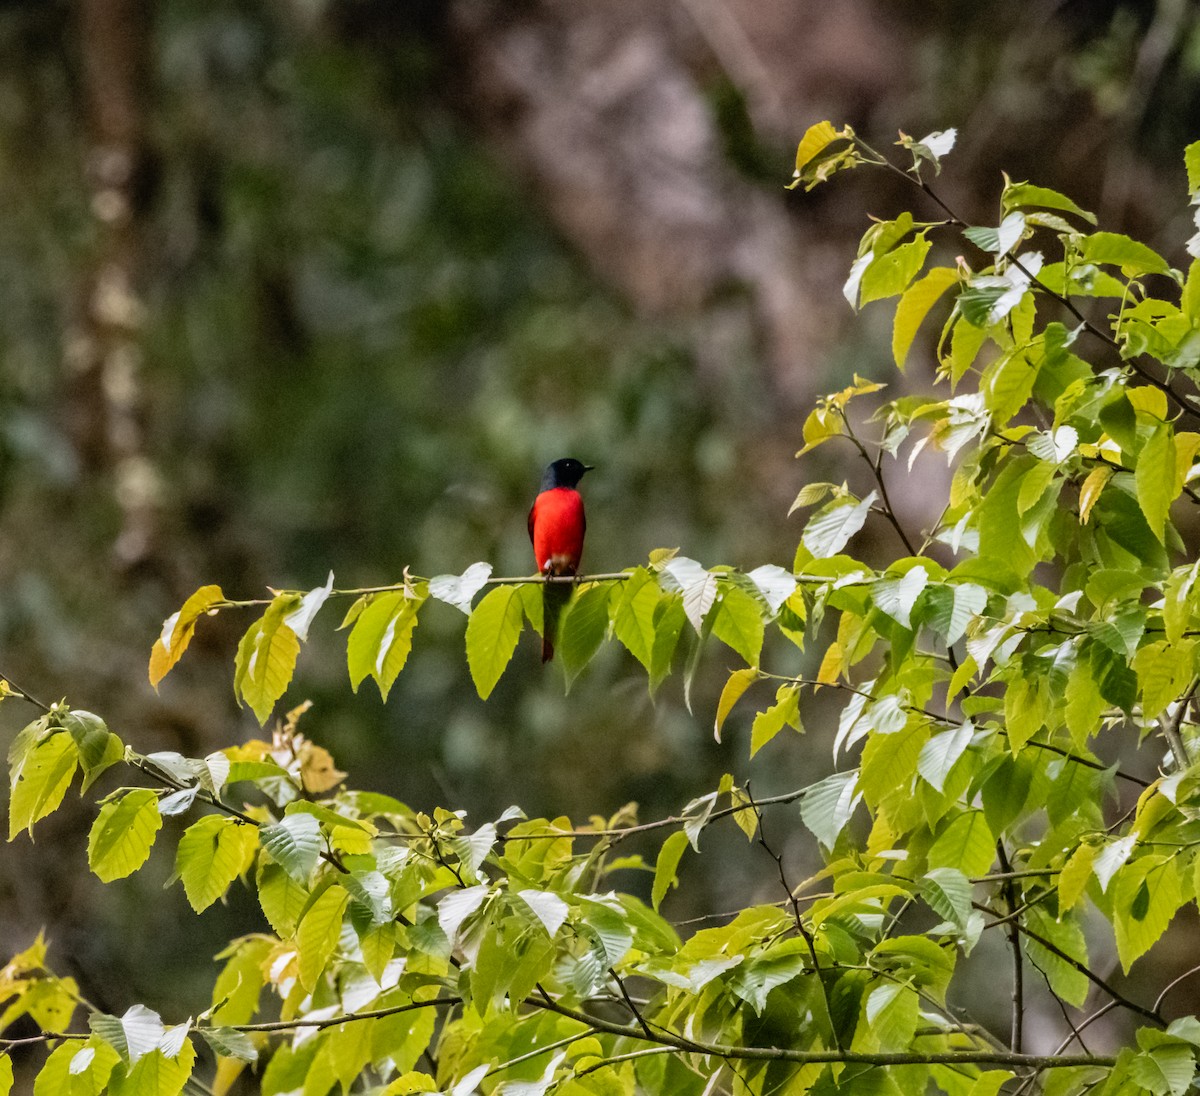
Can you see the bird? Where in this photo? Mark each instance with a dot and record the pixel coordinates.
(556, 528)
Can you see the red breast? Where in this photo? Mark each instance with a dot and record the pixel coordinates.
(556, 527)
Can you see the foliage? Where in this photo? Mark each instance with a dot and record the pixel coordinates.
(1042, 626)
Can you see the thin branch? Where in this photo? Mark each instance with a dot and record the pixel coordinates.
(787, 1054)
(1008, 889)
(334, 1021)
(1172, 984)
(801, 928)
(637, 1013)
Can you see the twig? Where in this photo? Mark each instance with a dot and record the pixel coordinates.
(1014, 942)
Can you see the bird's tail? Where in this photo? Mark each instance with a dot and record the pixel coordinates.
(555, 596)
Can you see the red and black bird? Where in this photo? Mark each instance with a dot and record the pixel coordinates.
(556, 527)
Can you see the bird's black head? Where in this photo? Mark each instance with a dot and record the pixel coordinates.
(564, 473)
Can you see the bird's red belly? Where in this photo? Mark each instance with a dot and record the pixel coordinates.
(558, 526)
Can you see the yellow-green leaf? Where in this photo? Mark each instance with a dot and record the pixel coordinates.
(317, 937)
(40, 780)
(212, 854)
(739, 681)
(1090, 490)
(380, 643)
(123, 833)
(1155, 479)
(492, 634)
(784, 712)
(266, 658)
(914, 306)
(665, 867)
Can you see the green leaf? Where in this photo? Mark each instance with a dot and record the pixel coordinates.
(230, 1043)
(739, 681)
(282, 899)
(999, 241)
(941, 753)
(829, 530)
(1114, 249)
(156, 1074)
(1166, 1070)
(294, 843)
(666, 865)
(1191, 161)
(948, 892)
(1066, 980)
(39, 780)
(784, 712)
(583, 627)
(739, 623)
(1147, 894)
(75, 1069)
(380, 643)
(6, 1072)
(914, 306)
(828, 805)
(892, 1011)
(1026, 195)
(633, 621)
(966, 844)
(890, 273)
(123, 834)
(318, 934)
(492, 634)
(98, 747)
(1155, 478)
(266, 658)
(212, 854)
(896, 596)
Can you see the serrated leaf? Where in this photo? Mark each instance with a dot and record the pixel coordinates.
(460, 590)
(381, 641)
(301, 618)
(123, 833)
(633, 621)
(999, 241)
(665, 867)
(828, 805)
(547, 907)
(211, 855)
(892, 1011)
(735, 687)
(1025, 195)
(1166, 1070)
(896, 596)
(941, 753)
(492, 634)
(914, 306)
(1114, 249)
(774, 583)
(1090, 490)
(783, 713)
(948, 892)
(39, 780)
(318, 934)
(739, 623)
(817, 138)
(230, 1043)
(457, 906)
(266, 658)
(697, 585)
(583, 627)
(829, 530)
(294, 843)
(1154, 478)
(1147, 895)
(178, 629)
(132, 1035)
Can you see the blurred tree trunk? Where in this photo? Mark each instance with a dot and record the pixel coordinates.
(103, 352)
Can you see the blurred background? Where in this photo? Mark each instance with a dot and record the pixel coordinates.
(297, 285)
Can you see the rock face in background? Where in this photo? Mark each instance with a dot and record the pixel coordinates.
(608, 110)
